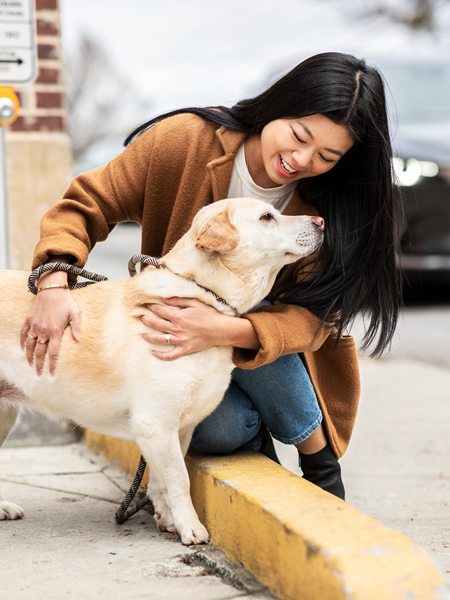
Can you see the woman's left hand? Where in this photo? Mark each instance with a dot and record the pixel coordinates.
(196, 327)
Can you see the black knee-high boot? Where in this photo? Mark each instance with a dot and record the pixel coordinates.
(323, 469)
(267, 446)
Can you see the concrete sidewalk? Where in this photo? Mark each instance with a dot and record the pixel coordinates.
(397, 469)
(69, 545)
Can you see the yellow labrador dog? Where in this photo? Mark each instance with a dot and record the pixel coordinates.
(111, 382)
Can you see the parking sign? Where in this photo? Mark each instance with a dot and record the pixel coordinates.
(17, 42)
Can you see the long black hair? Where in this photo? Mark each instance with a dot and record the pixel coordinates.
(356, 270)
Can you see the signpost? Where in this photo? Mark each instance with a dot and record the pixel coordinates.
(18, 66)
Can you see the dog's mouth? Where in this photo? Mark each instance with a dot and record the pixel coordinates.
(309, 240)
(307, 244)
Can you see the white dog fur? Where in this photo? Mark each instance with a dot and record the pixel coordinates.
(111, 383)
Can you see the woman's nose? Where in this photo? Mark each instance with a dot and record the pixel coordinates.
(302, 158)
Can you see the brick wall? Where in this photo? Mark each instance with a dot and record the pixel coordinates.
(43, 104)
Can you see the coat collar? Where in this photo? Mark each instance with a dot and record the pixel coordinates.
(221, 168)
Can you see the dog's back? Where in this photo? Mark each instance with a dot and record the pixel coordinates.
(105, 377)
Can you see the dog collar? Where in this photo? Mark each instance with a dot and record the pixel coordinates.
(216, 296)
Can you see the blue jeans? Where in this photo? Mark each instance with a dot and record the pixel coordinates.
(280, 394)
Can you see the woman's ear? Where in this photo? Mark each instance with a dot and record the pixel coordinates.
(219, 234)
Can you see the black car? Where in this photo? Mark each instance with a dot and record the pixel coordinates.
(419, 98)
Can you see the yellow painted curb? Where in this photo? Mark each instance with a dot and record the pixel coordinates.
(296, 539)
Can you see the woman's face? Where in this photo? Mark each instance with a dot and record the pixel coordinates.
(292, 149)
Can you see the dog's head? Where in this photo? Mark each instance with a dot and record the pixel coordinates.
(255, 226)
(248, 239)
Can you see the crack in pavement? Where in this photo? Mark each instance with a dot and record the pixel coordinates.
(52, 489)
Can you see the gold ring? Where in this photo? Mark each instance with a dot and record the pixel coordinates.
(168, 338)
(32, 337)
(42, 341)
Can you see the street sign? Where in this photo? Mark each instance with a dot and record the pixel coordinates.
(17, 42)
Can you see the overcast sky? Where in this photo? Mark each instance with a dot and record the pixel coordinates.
(200, 52)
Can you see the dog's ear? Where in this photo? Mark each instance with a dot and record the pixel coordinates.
(219, 234)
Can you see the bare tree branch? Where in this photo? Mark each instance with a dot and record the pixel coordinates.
(100, 99)
(416, 15)
(420, 15)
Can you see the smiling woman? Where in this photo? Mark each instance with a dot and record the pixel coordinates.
(293, 149)
(315, 143)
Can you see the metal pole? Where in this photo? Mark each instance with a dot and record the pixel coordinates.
(4, 238)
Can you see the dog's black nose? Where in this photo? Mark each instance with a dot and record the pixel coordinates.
(319, 222)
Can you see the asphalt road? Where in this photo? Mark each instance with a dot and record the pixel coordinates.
(423, 330)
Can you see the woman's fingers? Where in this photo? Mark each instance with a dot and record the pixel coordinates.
(197, 327)
(168, 356)
(75, 324)
(168, 339)
(29, 344)
(44, 345)
(42, 332)
(180, 302)
(53, 351)
(26, 335)
(166, 315)
(40, 350)
(155, 323)
(165, 311)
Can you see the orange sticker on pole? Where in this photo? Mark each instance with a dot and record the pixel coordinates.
(9, 106)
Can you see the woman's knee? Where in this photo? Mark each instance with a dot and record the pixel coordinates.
(221, 439)
(232, 425)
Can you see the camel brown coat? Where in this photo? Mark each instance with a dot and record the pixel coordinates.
(161, 181)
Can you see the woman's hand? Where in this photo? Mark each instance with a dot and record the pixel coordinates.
(196, 327)
(52, 311)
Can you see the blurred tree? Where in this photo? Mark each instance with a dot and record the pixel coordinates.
(101, 101)
(417, 15)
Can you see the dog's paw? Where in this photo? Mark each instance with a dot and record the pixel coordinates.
(194, 533)
(8, 510)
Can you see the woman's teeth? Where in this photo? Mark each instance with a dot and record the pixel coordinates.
(287, 168)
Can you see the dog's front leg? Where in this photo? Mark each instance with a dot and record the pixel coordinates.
(163, 515)
(185, 436)
(161, 449)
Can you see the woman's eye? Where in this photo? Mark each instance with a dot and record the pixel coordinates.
(266, 217)
(297, 138)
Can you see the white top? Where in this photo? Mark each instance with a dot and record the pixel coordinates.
(243, 186)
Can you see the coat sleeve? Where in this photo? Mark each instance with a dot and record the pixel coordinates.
(94, 203)
(281, 329)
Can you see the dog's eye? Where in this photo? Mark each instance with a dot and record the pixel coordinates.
(266, 217)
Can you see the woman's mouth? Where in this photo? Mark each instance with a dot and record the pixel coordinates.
(284, 169)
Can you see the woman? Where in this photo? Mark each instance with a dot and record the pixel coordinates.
(316, 142)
